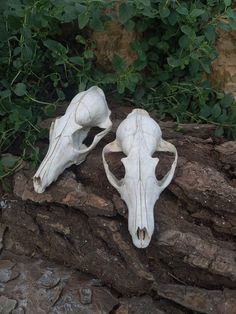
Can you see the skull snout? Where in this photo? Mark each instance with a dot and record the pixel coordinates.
(141, 239)
(59, 157)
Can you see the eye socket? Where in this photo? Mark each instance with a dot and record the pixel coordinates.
(91, 134)
(84, 136)
(165, 161)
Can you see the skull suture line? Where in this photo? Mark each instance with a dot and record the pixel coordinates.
(67, 133)
(138, 137)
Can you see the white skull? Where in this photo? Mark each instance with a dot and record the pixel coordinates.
(138, 137)
(67, 133)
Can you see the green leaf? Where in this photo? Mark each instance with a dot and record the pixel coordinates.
(50, 109)
(226, 101)
(88, 54)
(5, 93)
(8, 160)
(216, 110)
(173, 62)
(77, 60)
(120, 87)
(80, 39)
(126, 11)
(206, 111)
(83, 19)
(118, 63)
(187, 30)
(223, 117)
(219, 131)
(55, 46)
(164, 12)
(173, 18)
(206, 66)
(60, 94)
(227, 3)
(184, 41)
(20, 89)
(194, 67)
(97, 24)
(210, 33)
(26, 53)
(82, 86)
(182, 10)
(196, 12)
(130, 25)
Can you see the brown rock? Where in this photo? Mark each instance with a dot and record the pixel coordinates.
(201, 300)
(206, 186)
(140, 305)
(2, 231)
(45, 287)
(7, 272)
(114, 40)
(66, 191)
(193, 243)
(201, 253)
(227, 155)
(223, 71)
(97, 245)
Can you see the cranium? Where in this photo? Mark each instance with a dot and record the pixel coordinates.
(67, 133)
(138, 137)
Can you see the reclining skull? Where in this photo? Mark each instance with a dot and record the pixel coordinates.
(138, 137)
(87, 109)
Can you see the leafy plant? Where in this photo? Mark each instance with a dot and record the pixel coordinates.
(42, 66)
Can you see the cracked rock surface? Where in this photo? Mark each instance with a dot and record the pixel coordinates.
(68, 250)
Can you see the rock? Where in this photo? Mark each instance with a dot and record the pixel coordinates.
(193, 243)
(85, 296)
(204, 185)
(223, 69)
(6, 271)
(2, 231)
(19, 310)
(66, 191)
(48, 279)
(201, 253)
(96, 245)
(114, 40)
(47, 295)
(201, 300)
(227, 155)
(140, 305)
(6, 305)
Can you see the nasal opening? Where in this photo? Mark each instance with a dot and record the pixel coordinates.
(141, 233)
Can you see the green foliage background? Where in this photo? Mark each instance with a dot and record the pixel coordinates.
(39, 66)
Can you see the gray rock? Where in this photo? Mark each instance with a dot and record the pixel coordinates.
(85, 295)
(7, 305)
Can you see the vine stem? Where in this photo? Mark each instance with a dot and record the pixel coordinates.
(39, 101)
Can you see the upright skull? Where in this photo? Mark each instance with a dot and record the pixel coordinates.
(67, 133)
(138, 137)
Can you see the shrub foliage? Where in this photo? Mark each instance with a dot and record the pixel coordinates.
(40, 66)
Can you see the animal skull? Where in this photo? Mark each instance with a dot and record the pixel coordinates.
(138, 137)
(67, 133)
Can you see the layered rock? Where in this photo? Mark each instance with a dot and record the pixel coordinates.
(81, 222)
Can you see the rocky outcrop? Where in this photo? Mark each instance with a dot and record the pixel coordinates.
(81, 222)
